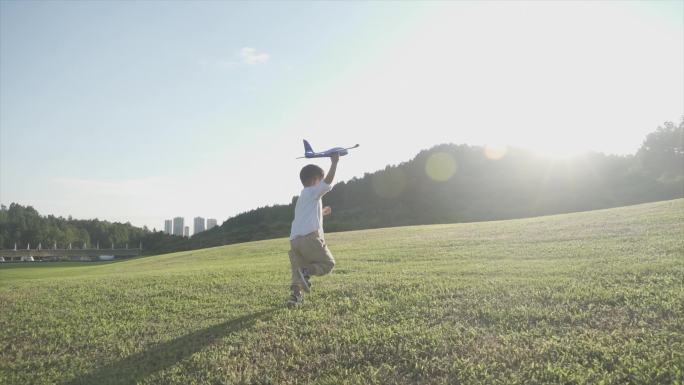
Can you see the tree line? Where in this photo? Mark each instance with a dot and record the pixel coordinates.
(445, 184)
(24, 227)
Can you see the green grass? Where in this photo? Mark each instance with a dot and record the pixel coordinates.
(594, 297)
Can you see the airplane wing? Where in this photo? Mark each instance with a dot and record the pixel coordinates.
(310, 153)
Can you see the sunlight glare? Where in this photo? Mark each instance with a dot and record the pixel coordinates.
(495, 151)
(440, 166)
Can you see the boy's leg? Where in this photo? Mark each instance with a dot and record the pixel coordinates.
(296, 262)
(296, 297)
(317, 258)
(300, 276)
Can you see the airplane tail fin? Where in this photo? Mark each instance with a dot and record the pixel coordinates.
(307, 148)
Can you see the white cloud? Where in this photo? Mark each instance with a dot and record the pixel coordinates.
(251, 56)
(246, 56)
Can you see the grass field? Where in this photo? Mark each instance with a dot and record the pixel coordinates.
(594, 297)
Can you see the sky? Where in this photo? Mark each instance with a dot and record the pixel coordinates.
(143, 111)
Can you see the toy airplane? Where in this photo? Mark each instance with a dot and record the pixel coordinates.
(310, 153)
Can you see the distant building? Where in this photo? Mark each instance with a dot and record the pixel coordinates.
(211, 222)
(199, 225)
(178, 223)
(186, 231)
(168, 226)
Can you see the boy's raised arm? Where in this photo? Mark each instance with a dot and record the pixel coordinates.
(333, 167)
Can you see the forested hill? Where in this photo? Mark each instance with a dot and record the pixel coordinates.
(460, 183)
(447, 183)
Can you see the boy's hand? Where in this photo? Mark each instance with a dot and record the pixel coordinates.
(335, 157)
(327, 210)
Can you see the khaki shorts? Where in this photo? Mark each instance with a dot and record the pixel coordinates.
(310, 252)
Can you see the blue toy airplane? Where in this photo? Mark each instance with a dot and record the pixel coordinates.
(310, 153)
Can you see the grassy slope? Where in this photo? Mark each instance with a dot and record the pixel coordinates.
(574, 298)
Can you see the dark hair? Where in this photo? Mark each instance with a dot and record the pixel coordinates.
(309, 172)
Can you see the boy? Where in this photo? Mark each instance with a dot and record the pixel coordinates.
(309, 255)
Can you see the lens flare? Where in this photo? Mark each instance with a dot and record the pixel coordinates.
(389, 183)
(440, 166)
(495, 152)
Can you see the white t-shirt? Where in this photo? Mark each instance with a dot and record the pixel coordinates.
(309, 210)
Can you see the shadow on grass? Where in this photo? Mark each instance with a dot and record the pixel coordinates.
(136, 367)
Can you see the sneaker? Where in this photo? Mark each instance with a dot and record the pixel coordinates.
(294, 300)
(304, 274)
